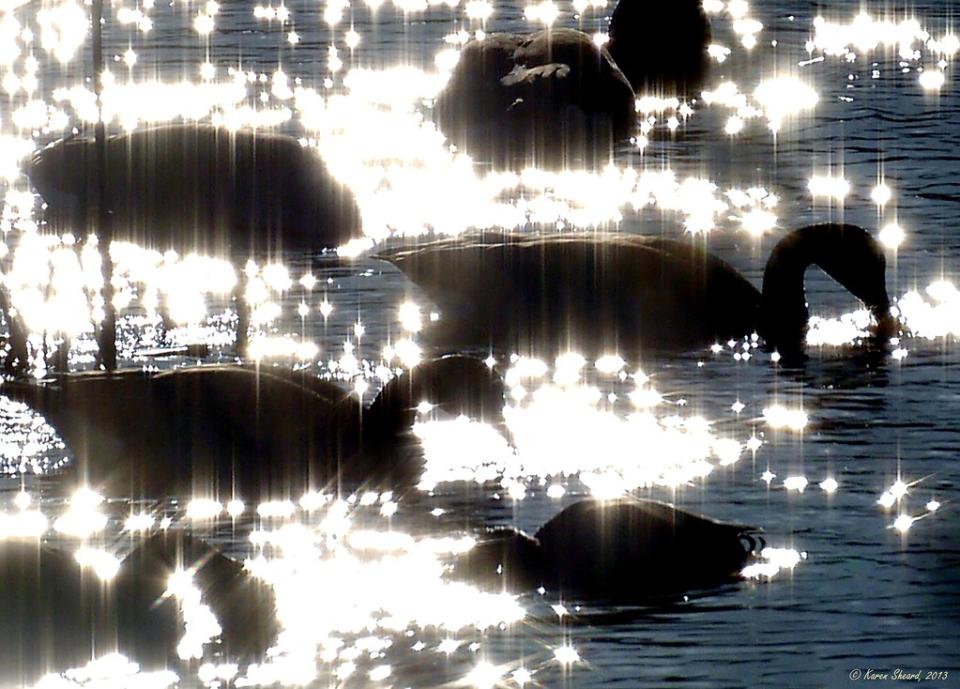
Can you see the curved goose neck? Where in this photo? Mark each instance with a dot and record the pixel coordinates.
(847, 253)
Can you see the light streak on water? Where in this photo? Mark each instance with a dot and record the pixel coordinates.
(313, 500)
(203, 509)
(779, 416)
(784, 97)
(281, 347)
(566, 655)
(28, 444)
(13, 150)
(525, 368)
(112, 671)
(734, 125)
(63, 29)
(718, 52)
(83, 517)
(894, 494)
(409, 316)
(484, 676)
(544, 12)
(461, 450)
(775, 560)
(747, 28)
(776, 100)
(898, 489)
(886, 500)
(847, 328)
(370, 497)
(933, 313)
(646, 105)
(408, 182)
(276, 509)
(892, 235)
(567, 429)
(610, 364)
(556, 491)
(795, 483)
(881, 194)
(136, 17)
(209, 673)
(903, 523)
(135, 103)
(353, 611)
(23, 524)
(104, 564)
(200, 625)
(907, 37)
(713, 6)
(480, 10)
(23, 500)
(522, 676)
(139, 522)
(831, 187)
(758, 221)
(70, 272)
(55, 285)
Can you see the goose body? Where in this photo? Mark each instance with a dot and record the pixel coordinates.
(620, 550)
(631, 294)
(208, 430)
(609, 293)
(546, 98)
(224, 430)
(55, 615)
(199, 187)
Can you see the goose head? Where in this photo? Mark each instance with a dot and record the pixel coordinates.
(848, 254)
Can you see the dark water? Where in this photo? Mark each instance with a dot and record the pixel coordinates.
(865, 596)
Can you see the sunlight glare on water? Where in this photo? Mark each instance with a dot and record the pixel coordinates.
(572, 427)
(566, 428)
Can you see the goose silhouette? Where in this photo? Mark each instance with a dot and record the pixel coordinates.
(54, 615)
(199, 187)
(192, 187)
(661, 47)
(632, 294)
(548, 98)
(620, 550)
(258, 433)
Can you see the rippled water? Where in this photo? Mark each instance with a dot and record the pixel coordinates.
(865, 596)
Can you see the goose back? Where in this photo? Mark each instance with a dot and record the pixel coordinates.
(634, 548)
(199, 187)
(597, 293)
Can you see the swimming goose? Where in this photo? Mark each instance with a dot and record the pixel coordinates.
(632, 294)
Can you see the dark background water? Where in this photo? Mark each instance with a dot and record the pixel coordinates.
(865, 596)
